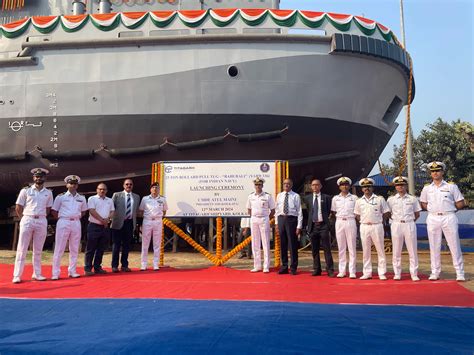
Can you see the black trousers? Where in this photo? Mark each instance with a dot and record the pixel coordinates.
(320, 236)
(121, 239)
(287, 228)
(97, 240)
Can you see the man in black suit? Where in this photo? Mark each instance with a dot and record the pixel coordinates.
(319, 207)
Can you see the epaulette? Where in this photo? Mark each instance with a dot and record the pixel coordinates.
(62, 193)
(451, 182)
(428, 184)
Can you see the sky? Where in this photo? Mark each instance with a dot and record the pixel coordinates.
(439, 37)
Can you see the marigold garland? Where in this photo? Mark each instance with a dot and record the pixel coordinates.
(190, 241)
(236, 249)
(219, 238)
(162, 247)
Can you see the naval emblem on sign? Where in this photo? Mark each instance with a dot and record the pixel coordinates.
(264, 168)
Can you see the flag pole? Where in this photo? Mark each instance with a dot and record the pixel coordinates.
(411, 175)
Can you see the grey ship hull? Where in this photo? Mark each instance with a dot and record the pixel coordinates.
(334, 112)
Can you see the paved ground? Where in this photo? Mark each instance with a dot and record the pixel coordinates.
(196, 260)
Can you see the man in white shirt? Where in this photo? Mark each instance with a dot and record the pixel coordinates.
(370, 211)
(405, 211)
(153, 208)
(261, 208)
(101, 211)
(32, 207)
(289, 219)
(342, 207)
(68, 208)
(442, 200)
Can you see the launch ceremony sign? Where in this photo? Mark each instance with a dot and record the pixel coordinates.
(211, 189)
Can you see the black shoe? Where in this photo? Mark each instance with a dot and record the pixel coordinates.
(243, 255)
(316, 273)
(283, 271)
(88, 273)
(126, 269)
(331, 273)
(115, 269)
(293, 272)
(100, 271)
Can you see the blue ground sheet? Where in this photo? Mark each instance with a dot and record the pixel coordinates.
(146, 326)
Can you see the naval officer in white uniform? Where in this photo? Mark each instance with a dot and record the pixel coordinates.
(405, 210)
(32, 207)
(261, 208)
(153, 208)
(342, 206)
(371, 210)
(442, 200)
(68, 208)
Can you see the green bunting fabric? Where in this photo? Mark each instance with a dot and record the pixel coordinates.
(196, 18)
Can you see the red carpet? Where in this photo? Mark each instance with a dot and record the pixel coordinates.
(220, 283)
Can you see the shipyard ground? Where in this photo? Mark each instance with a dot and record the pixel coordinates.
(191, 307)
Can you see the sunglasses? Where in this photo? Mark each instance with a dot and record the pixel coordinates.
(128, 184)
(102, 189)
(258, 184)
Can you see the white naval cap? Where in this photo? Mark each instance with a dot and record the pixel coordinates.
(344, 180)
(39, 172)
(72, 178)
(436, 166)
(400, 180)
(366, 182)
(259, 180)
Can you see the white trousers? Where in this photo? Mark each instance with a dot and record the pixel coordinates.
(404, 232)
(373, 234)
(66, 230)
(151, 229)
(30, 228)
(447, 224)
(346, 235)
(260, 227)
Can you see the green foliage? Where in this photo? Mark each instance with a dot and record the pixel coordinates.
(449, 142)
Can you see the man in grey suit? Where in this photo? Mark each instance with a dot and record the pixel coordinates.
(123, 224)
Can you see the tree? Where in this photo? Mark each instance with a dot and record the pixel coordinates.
(449, 142)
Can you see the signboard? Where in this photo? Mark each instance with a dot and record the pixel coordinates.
(211, 189)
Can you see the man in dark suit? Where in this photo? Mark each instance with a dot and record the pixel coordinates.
(319, 208)
(123, 224)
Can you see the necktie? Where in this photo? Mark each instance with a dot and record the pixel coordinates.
(128, 214)
(286, 207)
(315, 209)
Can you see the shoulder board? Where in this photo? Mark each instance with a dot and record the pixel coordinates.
(26, 188)
(428, 184)
(451, 182)
(62, 193)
